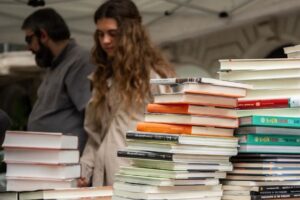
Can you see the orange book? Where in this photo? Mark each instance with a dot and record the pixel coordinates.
(192, 109)
(183, 129)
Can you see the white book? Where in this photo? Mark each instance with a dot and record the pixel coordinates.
(275, 84)
(74, 193)
(131, 187)
(39, 140)
(187, 198)
(43, 171)
(164, 181)
(181, 195)
(247, 75)
(31, 184)
(186, 119)
(41, 156)
(259, 64)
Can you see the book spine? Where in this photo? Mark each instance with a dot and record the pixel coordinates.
(276, 121)
(278, 187)
(275, 196)
(146, 155)
(283, 140)
(172, 81)
(149, 136)
(287, 191)
(158, 108)
(163, 128)
(265, 103)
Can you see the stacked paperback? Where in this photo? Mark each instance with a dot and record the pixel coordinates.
(40, 160)
(183, 147)
(268, 163)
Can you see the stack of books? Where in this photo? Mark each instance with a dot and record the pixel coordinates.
(183, 147)
(268, 163)
(40, 160)
(292, 51)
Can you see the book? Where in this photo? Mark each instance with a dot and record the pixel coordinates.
(272, 94)
(209, 89)
(259, 120)
(172, 156)
(280, 112)
(247, 192)
(268, 139)
(262, 183)
(183, 139)
(291, 49)
(246, 148)
(9, 195)
(43, 171)
(30, 184)
(174, 174)
(183, 129)
(192, 109)
(203, 80)
(295, 54)
(260, 197)
(180, 148)
(39, 140)
(241, 171)
(252, 177)
(262, 189)
(205, 198)
(88, 192)
(267, 165)
(169, 165)
(192, 120)
(258, 64)
(177, 195)
(269, 103)
(162, 189)
(164, 181)
(42, 156)
(267, 130)
(256, 74)
(274, 84)
(196, 99)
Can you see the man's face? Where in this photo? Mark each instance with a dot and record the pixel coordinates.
(32, 41)
(43, 55)
(107, 30)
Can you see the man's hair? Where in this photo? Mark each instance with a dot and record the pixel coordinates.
(49, 20)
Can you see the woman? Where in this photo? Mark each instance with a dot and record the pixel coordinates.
(125, 60)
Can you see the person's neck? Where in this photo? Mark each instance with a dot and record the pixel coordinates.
(57, 47)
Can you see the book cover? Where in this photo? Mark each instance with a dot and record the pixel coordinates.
(276, 121)
(192, 109)
(260, 139)
(183, 129)
(280, 112)
(267, 130)
(269, 103)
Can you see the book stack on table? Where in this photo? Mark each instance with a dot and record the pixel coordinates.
(183, 147)
(268, 163)
(40, 160)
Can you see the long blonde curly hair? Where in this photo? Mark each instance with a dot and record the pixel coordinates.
(135, 57)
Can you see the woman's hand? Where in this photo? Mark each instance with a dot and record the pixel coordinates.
(82, 182)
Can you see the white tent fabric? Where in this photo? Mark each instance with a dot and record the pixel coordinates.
(167, 20)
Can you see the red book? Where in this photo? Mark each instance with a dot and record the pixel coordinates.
(269, 103)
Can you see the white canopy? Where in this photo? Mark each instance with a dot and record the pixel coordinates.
(167, 20)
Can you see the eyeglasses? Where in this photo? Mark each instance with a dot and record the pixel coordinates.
(28, 38)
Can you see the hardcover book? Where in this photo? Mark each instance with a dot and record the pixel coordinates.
(183, 129)
(259, 120)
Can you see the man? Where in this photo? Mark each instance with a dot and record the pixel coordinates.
(65, 89)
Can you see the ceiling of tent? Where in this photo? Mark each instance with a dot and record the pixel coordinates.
(167, 20)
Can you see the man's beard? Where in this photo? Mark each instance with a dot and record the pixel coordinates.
(43, 56)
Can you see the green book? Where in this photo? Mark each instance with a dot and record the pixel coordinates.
(275, 121)
(267, 139)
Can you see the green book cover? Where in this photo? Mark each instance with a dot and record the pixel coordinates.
(267, 139)
(275, 121)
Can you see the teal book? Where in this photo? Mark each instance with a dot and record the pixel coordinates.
(274, 121)
(266, 139)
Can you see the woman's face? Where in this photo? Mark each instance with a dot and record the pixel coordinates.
(107, 31)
